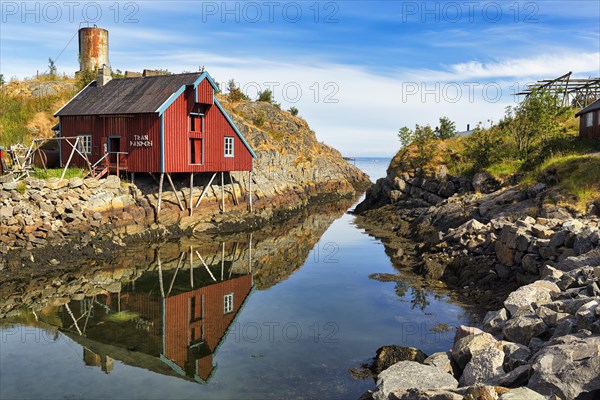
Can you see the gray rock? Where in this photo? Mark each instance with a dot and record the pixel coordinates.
(56, 183)
(409, 374)
(522, 393)
(467, 346)
(483, 182)
(75, 183)
(558, 239)
(515, 355)
(517, 377)
(444, 362)
(6, 211)
(485, 367)
(435, 394)
(523, 328)
(495, 320)
(526, 297)
(567, 367)
(531, 263)
(112, 182)
(9, 186)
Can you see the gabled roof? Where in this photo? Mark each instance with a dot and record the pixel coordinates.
(592, 107)
(131, 95)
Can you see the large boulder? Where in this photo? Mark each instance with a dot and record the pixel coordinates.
(527, 298)
(444, 362)
(465, 348)
(411, 375)
(521, 394)
(523, 328)
(567, 367)
(485, 367)
(484, 182)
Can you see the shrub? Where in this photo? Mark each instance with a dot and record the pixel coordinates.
(235, 93)
(265, 96)
(259, 119)
(294, 111)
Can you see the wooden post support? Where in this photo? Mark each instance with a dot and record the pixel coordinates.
(191, 190)
(223, 191)
(205, 189)
(235, 198)
(133, 178)
(70, 157)
(191, 267)
(160, 277)
(206, 266)
(160, 189)
(250, 190)
(222, 259)
(175, 191)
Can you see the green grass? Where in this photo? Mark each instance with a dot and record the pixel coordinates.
(505, 169)
(577, 175)
(17, 111)
(57, 172)
(123, 316)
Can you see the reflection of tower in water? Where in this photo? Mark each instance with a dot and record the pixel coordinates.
(172, 319)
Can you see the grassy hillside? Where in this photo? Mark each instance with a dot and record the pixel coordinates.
(537, 141)
(27, 108)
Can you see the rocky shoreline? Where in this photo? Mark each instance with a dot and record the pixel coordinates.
(506, 247)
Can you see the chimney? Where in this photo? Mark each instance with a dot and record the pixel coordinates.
(104, 76)
(468, 126)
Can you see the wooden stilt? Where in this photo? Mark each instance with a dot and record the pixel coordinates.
(235, 198)
(70, 157)
(192, 267)
(175, 191)
(153, 177)
(175, 274)
(133, 178)
(222, 191)
(222, 260)
(191, 190)
(250, 254)
(160, 189)
(206, 266)
(205, 189)
(250, 190)
(160, 278)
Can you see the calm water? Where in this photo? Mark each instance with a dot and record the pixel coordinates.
(281, 313)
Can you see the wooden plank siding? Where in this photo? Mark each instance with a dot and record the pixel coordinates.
(590, 131)
(168, 128)
(139, 159)
(205, 92)
(177, 137)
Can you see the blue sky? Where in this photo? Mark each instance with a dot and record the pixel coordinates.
(356, 70)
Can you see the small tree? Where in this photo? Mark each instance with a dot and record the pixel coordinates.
(51, 68)
(235, 93)
(266, 96)
(406, 136)
(2, 81)
(446, 129)
(422, 141)
(293, 110)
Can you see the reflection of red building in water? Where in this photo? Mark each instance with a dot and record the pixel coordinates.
(183, 330)
(197, 321)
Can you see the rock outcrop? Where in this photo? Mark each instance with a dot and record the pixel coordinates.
(506, 247)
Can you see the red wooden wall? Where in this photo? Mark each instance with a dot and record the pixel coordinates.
(590, 131)
(216, 127)
(139, 159)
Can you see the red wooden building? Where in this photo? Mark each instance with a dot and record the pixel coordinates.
(589, 120)
(159, 124)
